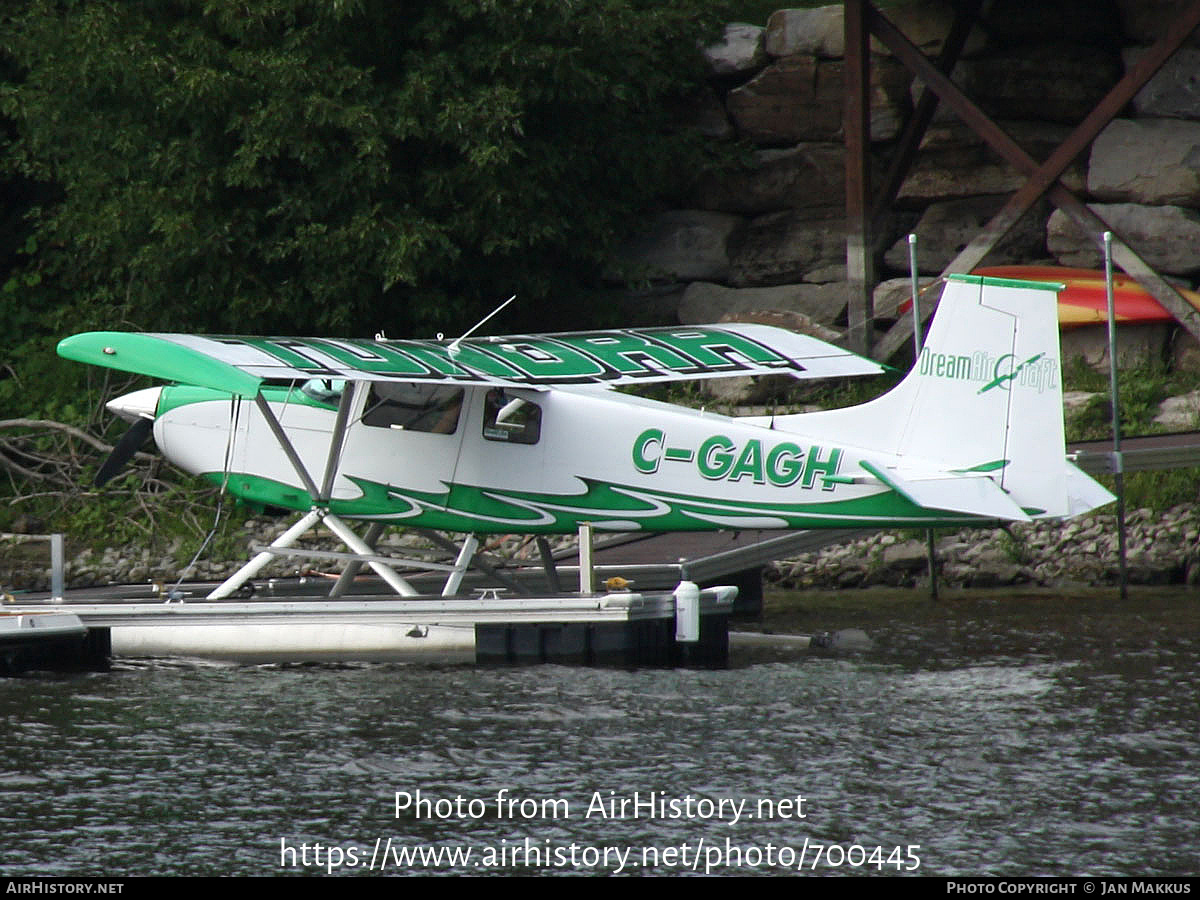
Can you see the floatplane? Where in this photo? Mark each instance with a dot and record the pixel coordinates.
(527, 434)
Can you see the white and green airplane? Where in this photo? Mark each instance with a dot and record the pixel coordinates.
(524, 434)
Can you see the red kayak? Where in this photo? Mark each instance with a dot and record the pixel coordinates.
(1084, 299)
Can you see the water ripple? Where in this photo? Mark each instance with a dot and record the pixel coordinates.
(1002, 744)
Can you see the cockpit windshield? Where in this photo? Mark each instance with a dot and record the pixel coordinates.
(324, 390)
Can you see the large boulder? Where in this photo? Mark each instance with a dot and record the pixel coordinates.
(648, 305)
(1153, 161)
(955, 162)
(927, 24)
(800, 98)
(893, 295)
(946, 228)
(1166, 237)
(1055, 82)
(783, 247)
(821, 31)
(1185, 352)
(1175, 88)
(704, 302)
(806, 175)
(907, 556)
(792, 321)
(1145, 21)
(1180, 413)
(812, 32)
(739, 51)
(1137, 344)
(786, 103)
(681, 245)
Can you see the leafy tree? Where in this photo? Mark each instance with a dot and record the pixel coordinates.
(332, 166)
(310, 166)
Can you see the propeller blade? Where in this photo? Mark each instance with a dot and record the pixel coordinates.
(129, 444)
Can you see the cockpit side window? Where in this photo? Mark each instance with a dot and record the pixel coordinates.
(430, 408)
(514, 420)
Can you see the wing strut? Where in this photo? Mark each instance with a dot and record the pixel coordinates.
(285, 444)
(337, 442)
(361, 550)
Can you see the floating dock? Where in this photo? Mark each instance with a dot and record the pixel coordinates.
(660, 561)
(620, 628)
(38, 640)
(672, 607)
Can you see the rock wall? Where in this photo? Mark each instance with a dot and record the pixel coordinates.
(165, 564)
(771, 235)
(1161, 549)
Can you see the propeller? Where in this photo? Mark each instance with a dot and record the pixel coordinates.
(129, 444)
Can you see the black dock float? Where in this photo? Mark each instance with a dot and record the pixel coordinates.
(639, 643)
(51, 641)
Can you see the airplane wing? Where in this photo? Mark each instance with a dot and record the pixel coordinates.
(240, 364)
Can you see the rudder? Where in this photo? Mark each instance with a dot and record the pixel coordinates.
(984, 397)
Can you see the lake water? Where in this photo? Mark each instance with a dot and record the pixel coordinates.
(987, 736)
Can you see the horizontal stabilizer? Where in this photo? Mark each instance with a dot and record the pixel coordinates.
(973, 494)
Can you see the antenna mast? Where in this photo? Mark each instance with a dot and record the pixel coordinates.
(453, 348)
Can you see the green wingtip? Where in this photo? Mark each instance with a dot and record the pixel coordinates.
(145, 354)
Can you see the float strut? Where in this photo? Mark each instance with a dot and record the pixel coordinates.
(461, 564)
(252, 568)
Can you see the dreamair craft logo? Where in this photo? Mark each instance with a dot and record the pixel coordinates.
(1038, 372)
(720, 458)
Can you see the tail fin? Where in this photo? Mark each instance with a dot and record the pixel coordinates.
(984, 398)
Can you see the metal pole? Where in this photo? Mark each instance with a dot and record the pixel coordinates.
(57, 568)
(285, 445)
(916, 291)
(856, 128)
(1117, 461)
(356, 544)
(587, 579)
(930, 548)
(336, 442)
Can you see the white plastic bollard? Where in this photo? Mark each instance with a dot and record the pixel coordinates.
(687, 612)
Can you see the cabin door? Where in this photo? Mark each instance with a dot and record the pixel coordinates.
(402, 448)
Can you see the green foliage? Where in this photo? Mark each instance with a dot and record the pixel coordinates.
(1015, 547)
(177, 523)
(842, 392)
(305, 166)
(35, 383)
(157, 514)
(1141, 390)
(1157, 491)
(314, 166)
